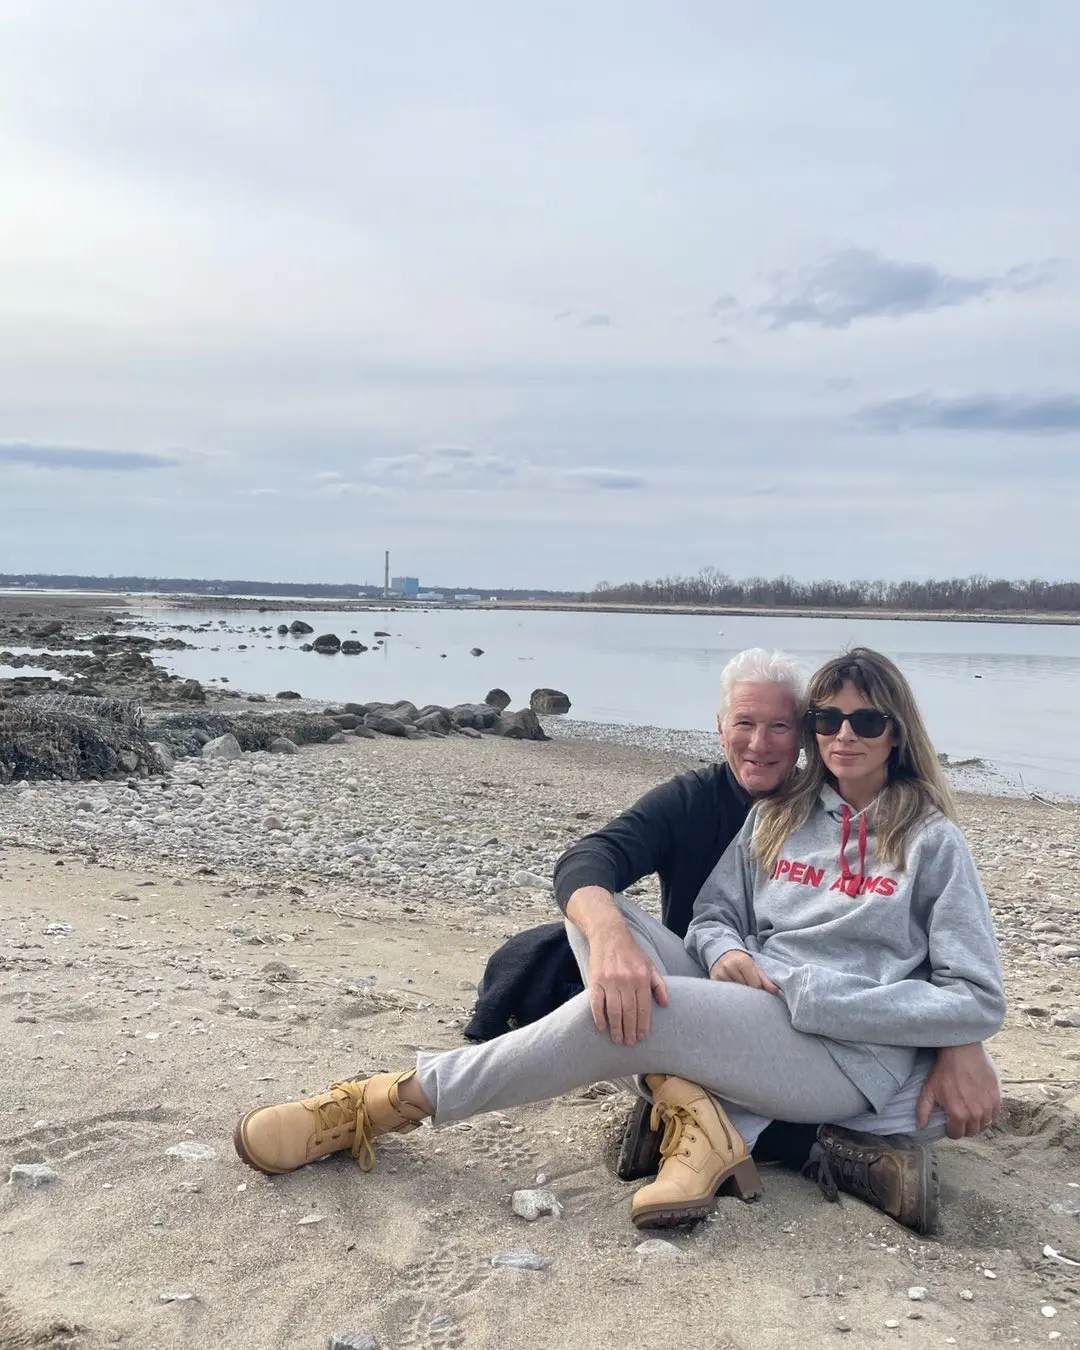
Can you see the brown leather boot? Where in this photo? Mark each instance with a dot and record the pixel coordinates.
(892, 1172)
(702, 1155)
(350, 1115)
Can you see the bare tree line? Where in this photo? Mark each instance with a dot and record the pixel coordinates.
(975, 594)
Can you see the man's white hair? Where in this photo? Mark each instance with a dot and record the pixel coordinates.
(757, 666)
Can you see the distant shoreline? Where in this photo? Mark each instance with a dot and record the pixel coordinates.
(281, 604)
(277, 604)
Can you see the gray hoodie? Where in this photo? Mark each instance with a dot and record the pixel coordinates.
(876, 962)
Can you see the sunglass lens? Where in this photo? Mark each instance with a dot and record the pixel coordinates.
(868, 722)
(827, 721)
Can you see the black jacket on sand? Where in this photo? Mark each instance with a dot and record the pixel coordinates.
(677, 830)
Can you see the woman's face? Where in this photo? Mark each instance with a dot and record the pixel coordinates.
(858, 763)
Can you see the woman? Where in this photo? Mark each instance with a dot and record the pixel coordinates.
(841, 937)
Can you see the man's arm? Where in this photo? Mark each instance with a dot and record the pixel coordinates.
(622, 979)
(633, 845)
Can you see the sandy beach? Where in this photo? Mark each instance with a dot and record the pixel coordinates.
(249, 931)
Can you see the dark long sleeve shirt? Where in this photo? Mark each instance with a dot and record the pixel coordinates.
(677, 830)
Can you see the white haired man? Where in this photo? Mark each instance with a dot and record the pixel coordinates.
(679, 831)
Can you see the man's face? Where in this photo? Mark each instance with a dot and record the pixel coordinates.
(760, 735)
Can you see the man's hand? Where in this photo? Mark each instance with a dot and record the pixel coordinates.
(964, 1084)
(622, 979)
(622, 985)
(738, 967)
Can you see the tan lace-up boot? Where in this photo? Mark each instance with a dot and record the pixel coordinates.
(350, 1116)
(703, 1155)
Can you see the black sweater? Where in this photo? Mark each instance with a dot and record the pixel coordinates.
(678, 830)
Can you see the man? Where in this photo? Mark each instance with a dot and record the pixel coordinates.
(679, 831)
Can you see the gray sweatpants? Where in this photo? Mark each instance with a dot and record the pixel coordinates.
(736, 1042)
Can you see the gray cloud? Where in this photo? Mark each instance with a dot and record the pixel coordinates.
(100, 461)
(1018, 414)
(608, 480)
(857, 283)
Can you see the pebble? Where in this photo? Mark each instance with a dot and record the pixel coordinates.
(309, 1219)
(519, 1260)
(532, 1205)
(57, 929)
(1048, 1310)
(192, 1151)
(966, 1295)
(892, 1322)
(35, 1174)
(531, 880)
(176, 1296)
(842, 1324)
(918, 1292)
(1071, 1018)
(352, 1340)
(658, 1247)
(442, 1322)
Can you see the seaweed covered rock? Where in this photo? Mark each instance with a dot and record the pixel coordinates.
(185, 733)
(67, 737)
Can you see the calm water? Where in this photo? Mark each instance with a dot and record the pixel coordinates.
(1005, 693)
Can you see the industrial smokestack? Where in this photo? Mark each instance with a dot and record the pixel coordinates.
(386, 576)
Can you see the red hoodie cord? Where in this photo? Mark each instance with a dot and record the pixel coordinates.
(845, 835)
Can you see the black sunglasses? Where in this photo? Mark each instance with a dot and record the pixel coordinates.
(865, 722)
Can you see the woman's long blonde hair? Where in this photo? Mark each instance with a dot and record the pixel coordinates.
(915, 786)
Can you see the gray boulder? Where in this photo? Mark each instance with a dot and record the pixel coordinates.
(222, 747)
(281, 745)
(549, 701)
(191, 691)
(436, 723)
(389, 726)
(523, 725)
(299, 626)
(288, 693)
(282, 628)
(327, 643)
(165, 756)
(350, 647)
(403, 709)
(478, 716)
(497, 698)
(346, 721)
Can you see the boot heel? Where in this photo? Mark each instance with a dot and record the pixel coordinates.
(744, 1182)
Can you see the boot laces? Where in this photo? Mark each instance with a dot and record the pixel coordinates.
(677, 1121)
(333, 1114)
(832, 1170)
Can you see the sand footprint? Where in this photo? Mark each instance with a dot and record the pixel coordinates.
(89, 1137)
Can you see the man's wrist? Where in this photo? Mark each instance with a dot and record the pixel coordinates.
(593, 910)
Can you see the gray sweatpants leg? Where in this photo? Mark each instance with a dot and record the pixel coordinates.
(737, 1042)
(669, 954)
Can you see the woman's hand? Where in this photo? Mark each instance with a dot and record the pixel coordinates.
(740, 968)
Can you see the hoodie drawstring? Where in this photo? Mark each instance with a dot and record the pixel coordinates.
(845, 835)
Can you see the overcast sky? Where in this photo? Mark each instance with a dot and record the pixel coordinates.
(539, 295)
